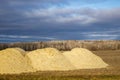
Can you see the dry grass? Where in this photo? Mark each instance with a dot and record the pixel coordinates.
(112, 57)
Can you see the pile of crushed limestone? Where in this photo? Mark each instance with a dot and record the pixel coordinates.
(16, 60)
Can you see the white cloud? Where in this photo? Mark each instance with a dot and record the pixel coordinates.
(26, 37)
(81, 16)
(60, 15)
(101, 35)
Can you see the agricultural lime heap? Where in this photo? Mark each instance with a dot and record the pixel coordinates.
(16, 60)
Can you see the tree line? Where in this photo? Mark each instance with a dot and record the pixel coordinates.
(65, 45)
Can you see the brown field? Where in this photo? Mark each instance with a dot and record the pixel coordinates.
(112, 57)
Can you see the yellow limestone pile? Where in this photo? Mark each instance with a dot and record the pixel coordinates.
(12, 61)
(48, 59)
(84, 59)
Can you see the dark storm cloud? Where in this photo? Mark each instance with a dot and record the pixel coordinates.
(48, 17)
(72, 22)
(44, 3)
(64, 16)
(57, 1)
(33, 2)
(11, 11)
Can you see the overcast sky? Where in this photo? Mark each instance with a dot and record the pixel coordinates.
(35, 20)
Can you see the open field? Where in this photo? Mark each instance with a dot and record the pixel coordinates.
(112, 57)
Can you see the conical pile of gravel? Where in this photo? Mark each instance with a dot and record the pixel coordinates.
(49, 59)
(12, 61)
(84, 59)
(16, 60)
